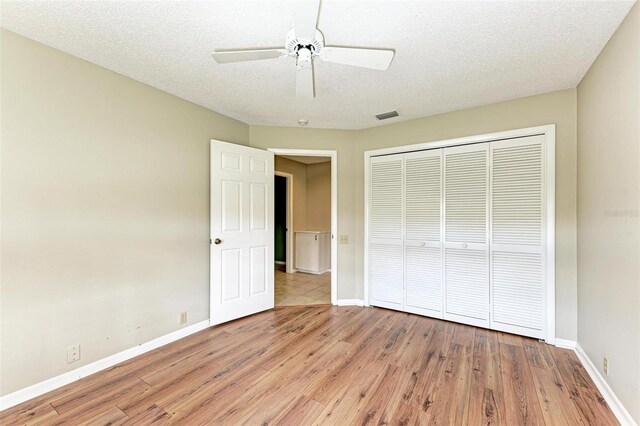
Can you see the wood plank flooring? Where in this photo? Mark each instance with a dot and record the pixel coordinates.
(316, 365)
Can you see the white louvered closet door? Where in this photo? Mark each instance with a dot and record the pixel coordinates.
(422, 242)
(517, 236)
(466, 254)
(386, 283)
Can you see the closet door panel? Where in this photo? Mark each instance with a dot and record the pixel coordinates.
(467, 285)
(517, 292)
(466, 257)
(385, 258)
(517, 236)
(422, 195)
(466, 183)
(423, 271)
(423, 228)
(385, 278)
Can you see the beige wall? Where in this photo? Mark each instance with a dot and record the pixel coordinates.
(608, 205)
(105, 211)
(319, 197)
(558, 107)
(299, 172)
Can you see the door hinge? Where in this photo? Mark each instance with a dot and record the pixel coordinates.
(210, 241)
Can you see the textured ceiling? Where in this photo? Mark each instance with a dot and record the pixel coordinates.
(449, 55)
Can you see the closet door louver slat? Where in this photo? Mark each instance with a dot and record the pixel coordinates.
(517, 236)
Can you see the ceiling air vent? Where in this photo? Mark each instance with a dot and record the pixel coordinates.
(386, 115)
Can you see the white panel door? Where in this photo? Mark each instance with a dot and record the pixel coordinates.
(241, 231)
(517, 236)
(423, 232)
(386, 283)
(466, 230)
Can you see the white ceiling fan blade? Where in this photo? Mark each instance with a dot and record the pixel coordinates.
(305, 18)
(226, 57)
(304, 83)
(377, 59)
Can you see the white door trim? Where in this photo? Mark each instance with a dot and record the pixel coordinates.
(289, 252)
(333, 154)
(549, 135)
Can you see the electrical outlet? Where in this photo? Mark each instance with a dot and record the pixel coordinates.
(183, 317)
(344, 239)
(73, 354)
(605, 366)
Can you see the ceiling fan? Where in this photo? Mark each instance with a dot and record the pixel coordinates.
(305, 42)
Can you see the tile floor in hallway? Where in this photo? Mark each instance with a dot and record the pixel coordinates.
(302, 289)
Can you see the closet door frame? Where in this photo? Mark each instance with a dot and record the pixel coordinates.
(548, 132)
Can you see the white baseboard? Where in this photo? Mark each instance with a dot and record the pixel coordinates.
(306, 271)
(48, 385)
(565, 344)
(614, 403)
(350, 302)
(280, 262)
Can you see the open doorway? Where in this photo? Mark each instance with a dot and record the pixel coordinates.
(282, 189)
(304, 204)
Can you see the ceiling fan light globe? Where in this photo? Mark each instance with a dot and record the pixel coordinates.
(304, 58)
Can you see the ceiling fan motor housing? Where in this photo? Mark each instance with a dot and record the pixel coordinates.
(295, 46)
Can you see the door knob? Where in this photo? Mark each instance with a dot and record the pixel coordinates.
(217, 241)
(422, 244)
(464, 245)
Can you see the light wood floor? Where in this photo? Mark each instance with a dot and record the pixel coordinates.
(333, 365)
(302, 289)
